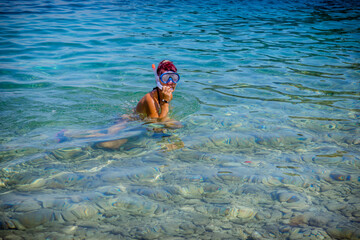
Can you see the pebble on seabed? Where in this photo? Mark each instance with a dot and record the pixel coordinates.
(343, 232)
(228, 211)
(289, 199)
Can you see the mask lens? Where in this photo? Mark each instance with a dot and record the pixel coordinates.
(167, 77)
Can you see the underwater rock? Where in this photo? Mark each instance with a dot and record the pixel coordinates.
(156, 194)
(356, 213)
(171, 227)
(188, 228)
(326, 160)
(289, 199)
(315, 234)
(137, 206)
(58, 216)
(270, 230)
(234, 175)
(70, 153)
(13, 237)
(340, 176)
(276, 215)
(286, 179)
(106, 203)
(283, 140)
(227, 211)
(226, 142)
(28, 205)
(271, 181)
(146, 232)
(35, 184)
(256, 235)
(173, 190)
(79, 211)
(35, 218)
(190, 155)
(300, 220)
(251, 192)
(319, 234)
(352, 160)
(199, 219)
(335, 206)
(212, 190)
(296, 233)
(112, 175)
(55, 235)
(318, 221)
(192, 191)
(243, 212)
(83, 210)
(196, 191)
(263, 215)
(65, 179)
(140, 174)
(356, 141)
(343, 232)
(68, 216)
(195, 175)
(226, 226)
(7, 223)
(252, 189)
(55, 202)
(111, 190)
(325, 187)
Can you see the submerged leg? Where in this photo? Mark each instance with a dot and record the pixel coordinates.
(66, 135)
(114, 144)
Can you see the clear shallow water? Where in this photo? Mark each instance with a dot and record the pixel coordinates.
(269, 100)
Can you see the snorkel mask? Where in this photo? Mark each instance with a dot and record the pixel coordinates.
(166, 77)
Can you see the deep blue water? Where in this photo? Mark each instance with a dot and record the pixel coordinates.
(269, 100)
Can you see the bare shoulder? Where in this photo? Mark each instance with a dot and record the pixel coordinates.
(147, 99)
(145, 103)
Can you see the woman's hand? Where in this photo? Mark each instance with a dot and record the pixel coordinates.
(167, 93)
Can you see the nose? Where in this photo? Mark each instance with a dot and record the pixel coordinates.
(170, 80)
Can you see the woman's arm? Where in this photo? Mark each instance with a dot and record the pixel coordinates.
(150, 109)
(164, 111)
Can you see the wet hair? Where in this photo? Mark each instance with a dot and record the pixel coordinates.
(166, 65)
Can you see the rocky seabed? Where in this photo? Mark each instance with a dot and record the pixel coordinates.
(232, 200)
(243, 184)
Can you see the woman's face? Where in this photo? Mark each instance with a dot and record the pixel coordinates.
(169, 84)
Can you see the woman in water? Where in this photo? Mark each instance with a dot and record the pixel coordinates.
(155, 104)
(153, 107)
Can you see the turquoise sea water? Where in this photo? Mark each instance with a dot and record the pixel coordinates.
(269, 100)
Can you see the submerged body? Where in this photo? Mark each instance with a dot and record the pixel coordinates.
(153, 107)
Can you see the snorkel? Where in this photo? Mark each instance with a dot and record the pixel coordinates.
(157, 79)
